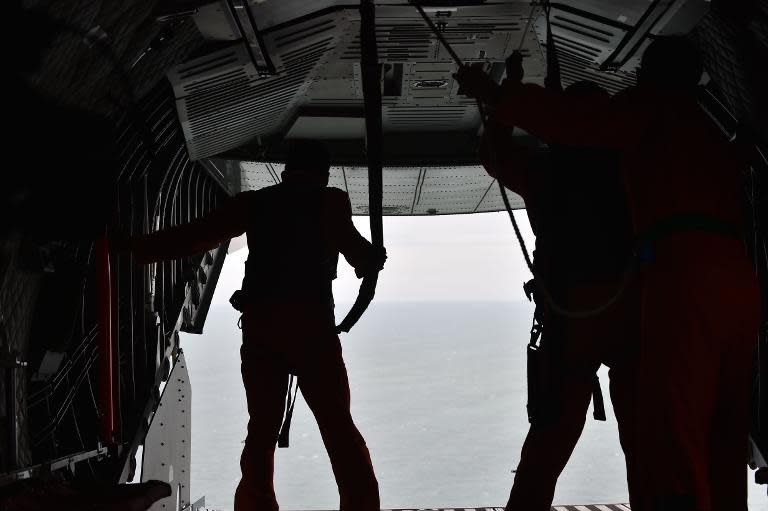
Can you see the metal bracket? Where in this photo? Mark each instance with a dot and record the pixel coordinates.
(198, 505)
(246, 25)
(52, 466)
(167, 444)
(11, 360)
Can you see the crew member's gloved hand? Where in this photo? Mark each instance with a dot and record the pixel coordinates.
(514, 65)
(475, 83)
(375, 264)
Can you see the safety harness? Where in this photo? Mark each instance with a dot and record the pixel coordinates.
(645, 246)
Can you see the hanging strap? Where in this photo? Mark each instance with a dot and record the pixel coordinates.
(688, 222)
(553, 79)
(369, 61)
(598, 403)
(290, 402)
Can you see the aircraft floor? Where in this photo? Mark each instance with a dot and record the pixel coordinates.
(590, 507)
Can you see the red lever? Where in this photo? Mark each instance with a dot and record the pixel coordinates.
(106, 385)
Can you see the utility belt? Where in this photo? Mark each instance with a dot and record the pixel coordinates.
(546, 345)
(238, 300)
(545, 363)
(242, 297)
(647, 241)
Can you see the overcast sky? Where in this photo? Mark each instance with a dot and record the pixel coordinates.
(437, 258)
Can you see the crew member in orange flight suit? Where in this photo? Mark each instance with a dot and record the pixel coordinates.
(700, 305)
(577, 208)
(295, 230)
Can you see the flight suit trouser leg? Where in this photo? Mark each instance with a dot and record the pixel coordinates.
(700, 319)
(325, 387)
(622, 388)
(610, 337)
(613, 337)
(548, 447)
(728, 442)
(299, 338)
(621, 353)
(265, 379)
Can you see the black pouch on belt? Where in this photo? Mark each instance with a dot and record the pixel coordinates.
(237, 300)
(534, 375)
(534, 370)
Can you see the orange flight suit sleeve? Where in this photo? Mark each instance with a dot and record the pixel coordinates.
(591, 121)
(226, 222)
(506, 160)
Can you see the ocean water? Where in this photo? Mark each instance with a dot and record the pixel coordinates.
(438, 391)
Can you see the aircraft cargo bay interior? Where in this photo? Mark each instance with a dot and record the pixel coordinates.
(552, 219)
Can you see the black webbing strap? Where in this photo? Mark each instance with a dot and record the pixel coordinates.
(645, 242)
(598, 403)
(533, 368)
(290, 403)
(688, 222)
(552, 80)
(369, 63)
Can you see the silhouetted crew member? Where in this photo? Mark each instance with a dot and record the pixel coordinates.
(295, 231)
(700, 301)
(577, 208)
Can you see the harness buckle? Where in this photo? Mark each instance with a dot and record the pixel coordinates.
(529, 288)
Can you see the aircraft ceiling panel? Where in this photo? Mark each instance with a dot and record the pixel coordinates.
(290, 58)
(427, 190)
(493, 201)
(338, 178)
(224, 100)
(625, 11)
(356, 183)
(258, 175)
(448, 190)
(602, 40)
(399, 188)
(227, 99)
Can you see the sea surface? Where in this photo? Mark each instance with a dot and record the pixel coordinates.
(438, 391)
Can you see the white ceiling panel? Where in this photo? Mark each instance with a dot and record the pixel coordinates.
(427, 190)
